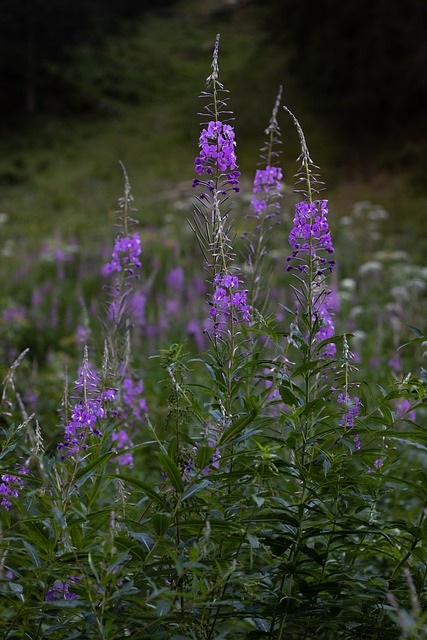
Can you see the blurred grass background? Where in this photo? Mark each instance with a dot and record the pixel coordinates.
(127, 90)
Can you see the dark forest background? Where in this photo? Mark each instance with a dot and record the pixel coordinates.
(88, 82)
(363, 63)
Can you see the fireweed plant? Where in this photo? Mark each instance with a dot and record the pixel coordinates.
(264, 487)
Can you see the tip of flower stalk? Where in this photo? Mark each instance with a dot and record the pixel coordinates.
(213, 77)
(305, 174)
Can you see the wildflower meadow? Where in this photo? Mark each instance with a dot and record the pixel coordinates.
(221, 433)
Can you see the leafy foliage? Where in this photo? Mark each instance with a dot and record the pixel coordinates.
(259, 485)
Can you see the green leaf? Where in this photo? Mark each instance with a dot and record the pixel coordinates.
(204, 455)
(17, 590)
(146, 488)
(33, 554)
(161, 522)
(311, 407)
(417, 332)
(144, 538)
(307, 366)
(195, 488)
(163, 608)
(87, 470)
(287, 396)
(237, 426)
(7, 450)
(172, 471)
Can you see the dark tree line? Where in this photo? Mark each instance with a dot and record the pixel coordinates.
(37, 36)
(364, 62)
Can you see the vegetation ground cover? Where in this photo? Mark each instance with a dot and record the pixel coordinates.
(211, 430)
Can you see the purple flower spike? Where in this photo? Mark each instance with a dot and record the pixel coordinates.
(310, 233)
(229, 299)
(217, 144)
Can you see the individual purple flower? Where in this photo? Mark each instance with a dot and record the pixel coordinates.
(377, 464)
(267, 180)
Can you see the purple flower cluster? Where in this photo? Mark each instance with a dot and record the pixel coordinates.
(216, 144)
(61, 590)
(228, 299)
(352, 409)
(83, 422)
(9, 488)
(311, 234)
(125, 254)
(266, 182)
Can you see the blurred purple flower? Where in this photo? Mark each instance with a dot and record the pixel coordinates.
(176, 279)
(196, 331)
(403, 410)
(125, 254)
(122, 441)
(135, 405)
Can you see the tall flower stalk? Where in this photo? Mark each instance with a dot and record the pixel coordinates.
(124, 266)
(218, 177)
(311, 261)
(265, 206)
